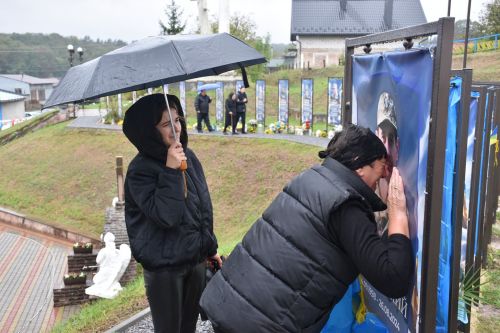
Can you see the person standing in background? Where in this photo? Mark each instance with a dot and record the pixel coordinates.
(230, 113)
(241, 108)
(201, 105)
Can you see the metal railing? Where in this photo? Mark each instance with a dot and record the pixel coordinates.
(478, 44)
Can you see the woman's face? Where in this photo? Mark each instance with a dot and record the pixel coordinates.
(165, 127)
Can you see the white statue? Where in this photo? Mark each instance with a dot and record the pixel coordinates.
(112, 264)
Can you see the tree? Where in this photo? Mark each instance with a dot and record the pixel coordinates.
(244, 28)
(174, 24)
(490, 17)
(476, 29)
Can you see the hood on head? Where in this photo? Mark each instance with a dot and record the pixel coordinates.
(139, 125)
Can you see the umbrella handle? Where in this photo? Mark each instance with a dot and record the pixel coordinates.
(183, 166)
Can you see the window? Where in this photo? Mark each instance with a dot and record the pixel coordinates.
(41, 94)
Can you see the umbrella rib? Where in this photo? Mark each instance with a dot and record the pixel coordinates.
(179, 58)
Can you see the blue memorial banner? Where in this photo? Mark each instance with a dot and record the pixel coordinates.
(260, 101)
(219, 103)
(182, 97)
(448, 207)
(392, 96)
(471, 135)
(307, 101)
(487, 117)
(165, 88)
(334, 101)
(283, 101)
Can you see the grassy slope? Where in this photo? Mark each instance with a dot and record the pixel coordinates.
(485, 65)
(67, 177)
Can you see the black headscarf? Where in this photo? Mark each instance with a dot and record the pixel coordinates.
(355, 146)
(139, 125)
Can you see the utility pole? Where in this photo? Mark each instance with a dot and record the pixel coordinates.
(203, 23)
(223, 16)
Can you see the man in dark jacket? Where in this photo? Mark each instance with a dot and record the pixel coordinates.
(168, 213)
(201, 104)
(296, 262)
(241, 108)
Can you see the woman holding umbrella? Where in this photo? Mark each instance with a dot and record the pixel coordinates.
(168, 212)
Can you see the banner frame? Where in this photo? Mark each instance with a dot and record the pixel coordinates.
(287, 103)
(444, 29)
(328, 100)
(264, 122)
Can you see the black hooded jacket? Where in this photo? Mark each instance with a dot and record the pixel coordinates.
(165, 229)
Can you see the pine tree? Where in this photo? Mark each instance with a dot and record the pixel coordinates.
(174, 25)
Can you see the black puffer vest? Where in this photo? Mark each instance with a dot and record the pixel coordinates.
(288, 272)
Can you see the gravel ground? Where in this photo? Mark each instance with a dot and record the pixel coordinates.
(146, 325)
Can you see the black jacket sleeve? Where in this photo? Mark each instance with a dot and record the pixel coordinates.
(387, 264)
(197, 103)
(159, 196)
(207, 211)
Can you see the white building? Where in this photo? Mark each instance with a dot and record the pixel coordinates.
(11, 107)
(320, 27)
(36, 89)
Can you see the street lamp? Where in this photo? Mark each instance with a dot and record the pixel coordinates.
(71, 51)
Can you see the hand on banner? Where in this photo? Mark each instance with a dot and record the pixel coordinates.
(396, 205)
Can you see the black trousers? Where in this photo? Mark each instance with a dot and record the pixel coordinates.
(203, 116)
(173, 297)
(230, 120)
(240, 115)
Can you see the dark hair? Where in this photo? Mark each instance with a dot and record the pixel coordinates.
(354, 146)
(141, 119)
(230, 96)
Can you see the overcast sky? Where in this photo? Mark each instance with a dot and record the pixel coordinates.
(134, 19)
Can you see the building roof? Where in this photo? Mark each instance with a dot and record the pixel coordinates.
(353, 17)
(276, 62)
(6, 96)
(31, 79)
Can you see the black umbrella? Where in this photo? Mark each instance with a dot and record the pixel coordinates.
(152, 62)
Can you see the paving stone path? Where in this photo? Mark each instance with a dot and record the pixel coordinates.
(31, 265)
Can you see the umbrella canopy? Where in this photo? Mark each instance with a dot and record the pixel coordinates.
(209, 86)
(152, 62)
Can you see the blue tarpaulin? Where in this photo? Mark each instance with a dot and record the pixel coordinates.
(445, 245)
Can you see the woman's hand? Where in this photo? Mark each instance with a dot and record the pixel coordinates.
(217, 258)
(396, 205)
(175, 156)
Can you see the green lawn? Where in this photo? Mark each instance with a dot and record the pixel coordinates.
(67, 177)
(488, 315)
